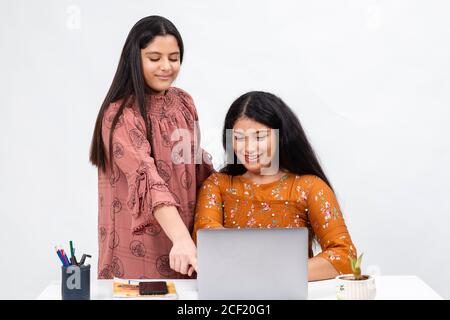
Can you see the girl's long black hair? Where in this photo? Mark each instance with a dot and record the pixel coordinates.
(129, 84)
(295, 152)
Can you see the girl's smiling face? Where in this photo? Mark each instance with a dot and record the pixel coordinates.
(254, 144)
(161, 63)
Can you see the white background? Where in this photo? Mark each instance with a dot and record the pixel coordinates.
(369, 81)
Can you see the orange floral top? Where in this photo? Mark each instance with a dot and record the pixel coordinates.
(291, 202)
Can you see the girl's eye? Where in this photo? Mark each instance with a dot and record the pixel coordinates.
(259, 138)
(157, 59)
(239, 138)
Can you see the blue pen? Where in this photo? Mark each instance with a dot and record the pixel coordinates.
(61, 258)
(67, 259)
(66, 262)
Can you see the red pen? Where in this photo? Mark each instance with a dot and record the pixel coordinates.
(65, 257)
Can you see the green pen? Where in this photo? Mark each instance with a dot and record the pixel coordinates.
(72, 252)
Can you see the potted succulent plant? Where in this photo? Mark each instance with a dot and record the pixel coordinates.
(355, 286)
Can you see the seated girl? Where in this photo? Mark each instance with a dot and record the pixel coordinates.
(273, 179)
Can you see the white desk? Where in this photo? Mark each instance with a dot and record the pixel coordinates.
(388, 288)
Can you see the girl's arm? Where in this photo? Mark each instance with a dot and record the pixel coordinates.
(209, 209)
(320, 269)
(330, 230)
(183, 255)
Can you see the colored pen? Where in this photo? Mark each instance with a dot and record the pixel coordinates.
(67, 259)
(62, 252)
(65, 256)
(60, 257)
(72, 252)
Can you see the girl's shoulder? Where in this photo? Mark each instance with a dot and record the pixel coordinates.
(129, 115)
(181, 93)
(308, 184)
(114, 106)
(186, 100)
(307, 181)
(111, 111)
(305, 178)
(217, 178)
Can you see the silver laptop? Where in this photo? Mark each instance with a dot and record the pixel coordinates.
(264, 264)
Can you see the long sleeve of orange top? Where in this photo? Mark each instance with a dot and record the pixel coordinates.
(329, 227)
(209, 210)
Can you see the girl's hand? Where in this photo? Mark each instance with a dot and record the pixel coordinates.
(183, 256)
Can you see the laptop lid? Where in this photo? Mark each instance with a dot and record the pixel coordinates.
(252, 263)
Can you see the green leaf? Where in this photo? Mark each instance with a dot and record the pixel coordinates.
(352, 262)
(358, 262)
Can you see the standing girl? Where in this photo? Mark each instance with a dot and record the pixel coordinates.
(147, 195)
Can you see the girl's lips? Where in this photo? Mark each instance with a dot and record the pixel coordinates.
(252, 158)
(163, 78)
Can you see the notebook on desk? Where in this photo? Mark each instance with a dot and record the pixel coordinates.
(129, 289)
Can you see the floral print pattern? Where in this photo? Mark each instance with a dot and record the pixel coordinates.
(290, 202)
(130, 240)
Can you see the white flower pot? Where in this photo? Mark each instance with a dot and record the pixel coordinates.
(347, 289)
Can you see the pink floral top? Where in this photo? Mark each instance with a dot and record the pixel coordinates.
(131, 242)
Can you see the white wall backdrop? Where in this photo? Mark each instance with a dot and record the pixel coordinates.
(368, 79)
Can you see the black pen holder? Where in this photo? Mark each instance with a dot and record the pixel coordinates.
(76, 282)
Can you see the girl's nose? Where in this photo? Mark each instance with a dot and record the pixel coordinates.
(251, 146)
(165, 65)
